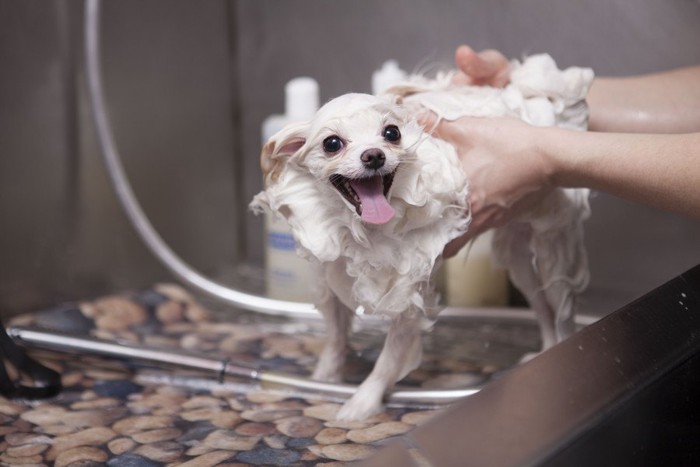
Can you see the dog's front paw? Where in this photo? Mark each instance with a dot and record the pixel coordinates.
(360, 407)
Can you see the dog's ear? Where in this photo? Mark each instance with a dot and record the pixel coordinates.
(279, 148)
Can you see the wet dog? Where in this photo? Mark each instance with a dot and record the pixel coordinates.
(372, 199)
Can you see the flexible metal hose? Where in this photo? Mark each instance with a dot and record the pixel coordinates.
(131, 206)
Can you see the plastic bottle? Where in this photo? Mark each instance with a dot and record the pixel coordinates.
(385, 77)
(471, 279)
(287, 276)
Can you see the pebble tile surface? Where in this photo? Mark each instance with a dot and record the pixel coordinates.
(110, 415)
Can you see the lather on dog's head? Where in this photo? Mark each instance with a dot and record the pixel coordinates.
(363, 167)
(355, 145)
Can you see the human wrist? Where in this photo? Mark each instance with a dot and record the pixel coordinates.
(552, 144)
(545, 143)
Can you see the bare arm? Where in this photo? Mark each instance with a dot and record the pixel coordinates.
(667, 102)
(660, 170)
(645, 146)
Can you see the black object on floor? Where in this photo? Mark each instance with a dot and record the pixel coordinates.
(46, 382)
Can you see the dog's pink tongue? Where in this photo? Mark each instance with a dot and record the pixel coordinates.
(375, 207)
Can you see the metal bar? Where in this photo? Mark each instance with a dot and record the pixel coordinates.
(219, 369)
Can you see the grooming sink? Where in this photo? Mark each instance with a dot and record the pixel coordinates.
(619, 392)
(623, 391)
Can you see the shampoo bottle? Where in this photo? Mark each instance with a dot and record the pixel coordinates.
(287, 276)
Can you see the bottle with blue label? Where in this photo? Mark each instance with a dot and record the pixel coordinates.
(288, 276)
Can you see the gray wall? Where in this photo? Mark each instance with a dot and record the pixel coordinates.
(168, 84)
(188, 84)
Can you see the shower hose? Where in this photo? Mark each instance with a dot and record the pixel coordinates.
(131, 206)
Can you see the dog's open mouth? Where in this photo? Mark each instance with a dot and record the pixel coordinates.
(368, 195)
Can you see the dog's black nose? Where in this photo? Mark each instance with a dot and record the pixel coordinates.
(373, 158)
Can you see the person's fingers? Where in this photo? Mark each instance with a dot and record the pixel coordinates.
(469, 62)
(428, 120)
(437, 128)
(453, 247)
(486, 67)
(464, 58)
(455, 132)
(475, 229)
(500, 66)
(460, 79)
(493, 61)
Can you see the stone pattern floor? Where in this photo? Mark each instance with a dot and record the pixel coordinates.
(111, 415)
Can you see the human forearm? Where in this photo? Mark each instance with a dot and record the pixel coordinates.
(654, 169)
(664, 102)
(512, 165)
(667, 102)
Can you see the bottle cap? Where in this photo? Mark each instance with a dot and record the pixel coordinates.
(301, 98)
(388, 75)
(272, 125)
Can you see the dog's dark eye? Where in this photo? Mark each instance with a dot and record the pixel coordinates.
(391, 133)
(332, 144)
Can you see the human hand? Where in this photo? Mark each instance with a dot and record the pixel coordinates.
(507, 171)
(486, 68)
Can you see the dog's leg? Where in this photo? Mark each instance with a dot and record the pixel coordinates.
(402, 353)
(547, 262)
(332, 281)
(513, 250)
(563, 271)
(338, 319)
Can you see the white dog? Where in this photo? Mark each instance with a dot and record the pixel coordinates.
(372, 199)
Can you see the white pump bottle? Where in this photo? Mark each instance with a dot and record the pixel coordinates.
(287, 276)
